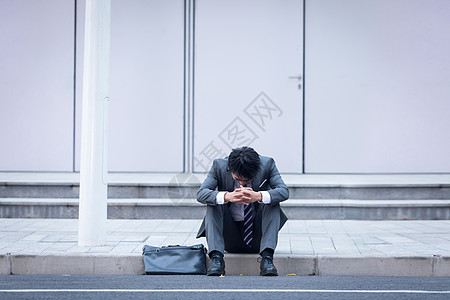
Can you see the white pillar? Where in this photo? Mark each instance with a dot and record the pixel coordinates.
(93, 169)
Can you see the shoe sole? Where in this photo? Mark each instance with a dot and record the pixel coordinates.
(216, 274)
(269, 274)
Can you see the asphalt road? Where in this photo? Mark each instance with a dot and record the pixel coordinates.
(228, 287)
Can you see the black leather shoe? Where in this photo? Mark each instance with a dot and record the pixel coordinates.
(267, 267)
(217, 266)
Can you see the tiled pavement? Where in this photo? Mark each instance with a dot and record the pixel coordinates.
(298, 237)
(306, 247)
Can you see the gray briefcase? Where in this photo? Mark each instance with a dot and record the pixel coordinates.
(175, 260)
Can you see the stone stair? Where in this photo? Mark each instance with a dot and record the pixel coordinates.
(172, 196)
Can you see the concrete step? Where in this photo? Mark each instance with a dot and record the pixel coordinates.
(236, 264)
(166, 195)
(184, 186)
(182, 191)
(173, 208)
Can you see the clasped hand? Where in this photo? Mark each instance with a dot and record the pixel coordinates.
(243, 195)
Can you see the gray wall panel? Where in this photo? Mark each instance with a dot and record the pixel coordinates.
(146, 87)
(377, 86)
(36, 85)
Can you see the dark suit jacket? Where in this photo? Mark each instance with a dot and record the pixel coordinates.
(219, 179)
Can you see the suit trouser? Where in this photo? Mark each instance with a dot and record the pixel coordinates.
(223, 233)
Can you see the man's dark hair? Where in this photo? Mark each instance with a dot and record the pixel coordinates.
(244, 161)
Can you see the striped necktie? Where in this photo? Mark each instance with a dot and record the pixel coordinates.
(248, 224)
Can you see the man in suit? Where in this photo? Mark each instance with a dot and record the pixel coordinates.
(243, 194)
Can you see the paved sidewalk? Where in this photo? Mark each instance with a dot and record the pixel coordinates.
(306, 247)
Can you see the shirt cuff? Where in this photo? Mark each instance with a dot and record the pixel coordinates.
(266, 197)
(220, 198)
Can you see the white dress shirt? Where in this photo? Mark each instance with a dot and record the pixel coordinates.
(237, 209)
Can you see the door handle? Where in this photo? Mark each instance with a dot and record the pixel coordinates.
(299, 78)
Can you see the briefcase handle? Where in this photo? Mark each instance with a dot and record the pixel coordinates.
(199, 246)
(157, 249)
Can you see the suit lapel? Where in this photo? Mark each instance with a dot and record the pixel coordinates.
(256, 182)
(229, 182)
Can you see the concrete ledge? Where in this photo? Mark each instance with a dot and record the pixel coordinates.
(248, 264)
(302, 180)
(5, 264)
(178, 208)
(377, 266)
(182, 191)
(236, 264)
(85, 264)
(441, 266)
(173, 185)
(192, 202)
